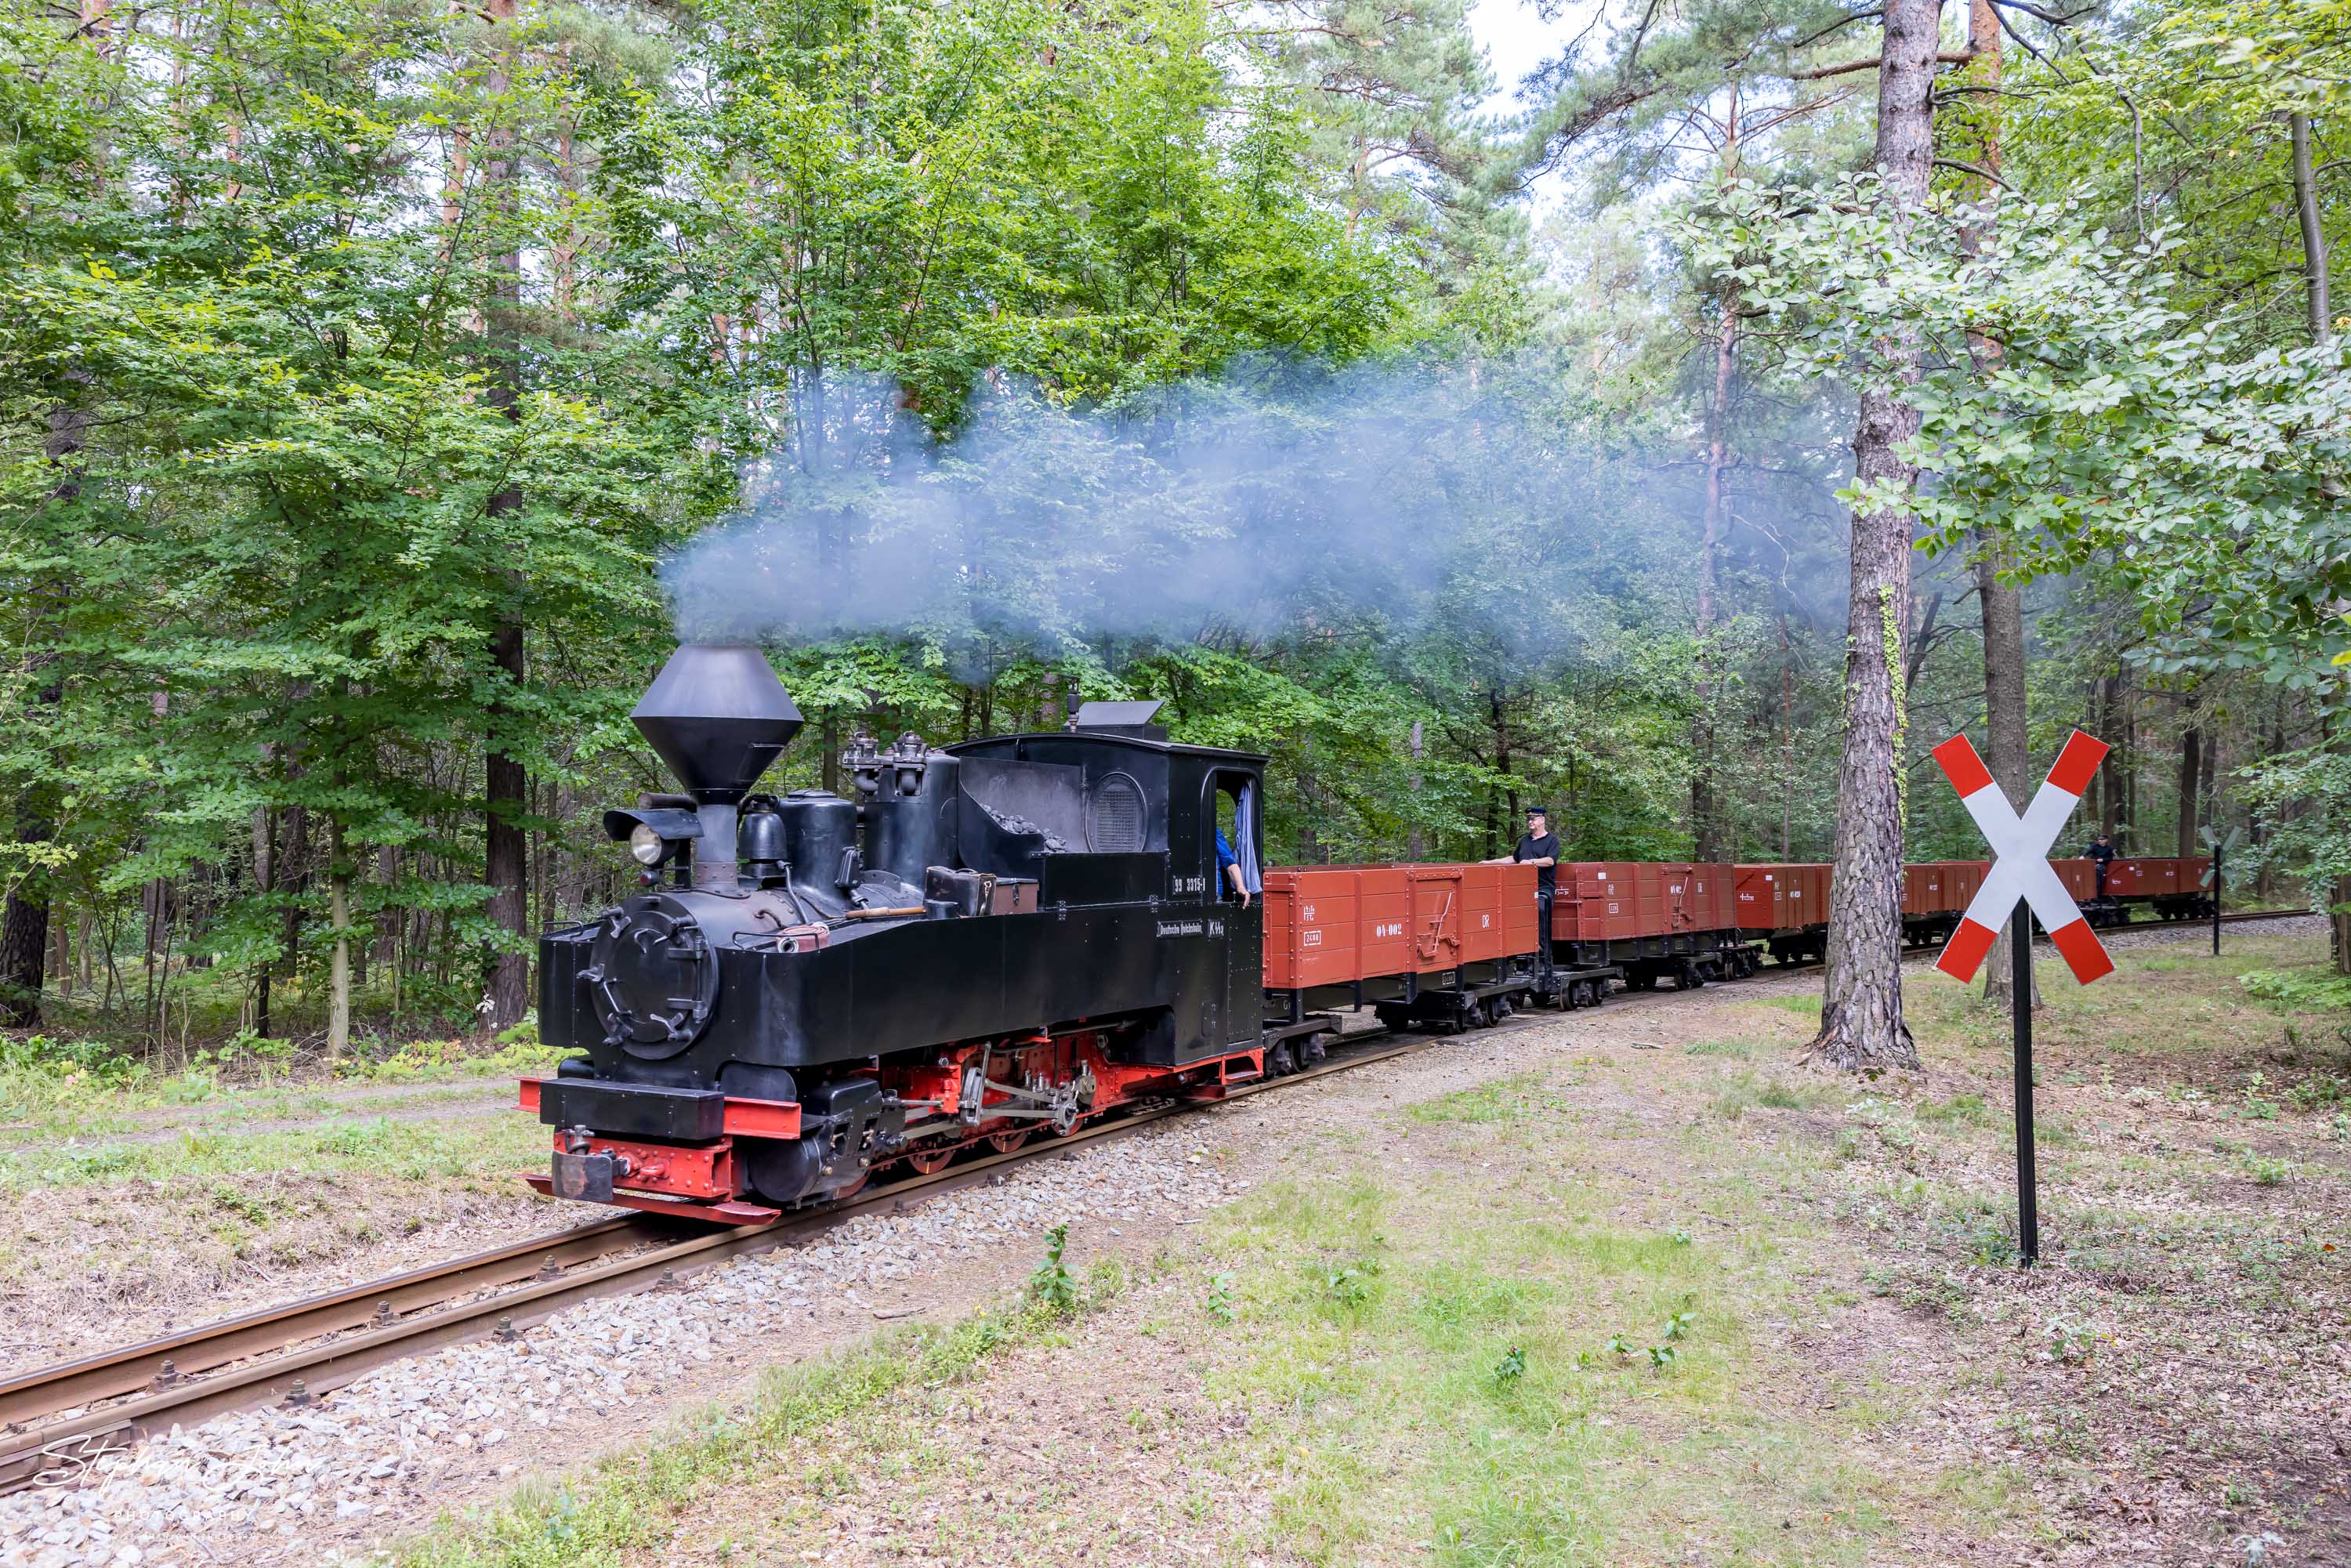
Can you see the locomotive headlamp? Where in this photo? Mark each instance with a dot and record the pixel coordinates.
(646, 847)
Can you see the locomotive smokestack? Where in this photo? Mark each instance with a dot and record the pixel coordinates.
(717, 715)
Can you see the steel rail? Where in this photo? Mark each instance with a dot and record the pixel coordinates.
(300, 1376)
(163, 1361)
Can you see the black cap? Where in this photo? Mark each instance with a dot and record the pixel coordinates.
(1539, 810)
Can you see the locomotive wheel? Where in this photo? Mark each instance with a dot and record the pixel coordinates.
(1005, 1143)
(844, 1193)
(930, 1162)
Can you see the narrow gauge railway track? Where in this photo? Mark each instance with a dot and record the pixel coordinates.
(2040, 938)
(392, 1319)
(120, 1396)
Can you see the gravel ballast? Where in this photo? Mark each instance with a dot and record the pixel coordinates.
(254, 1485)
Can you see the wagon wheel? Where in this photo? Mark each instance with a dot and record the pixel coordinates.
(930, 1162)
(1005, 1143)
(1281, 1062)
(1594, 992)
(1311, 1051)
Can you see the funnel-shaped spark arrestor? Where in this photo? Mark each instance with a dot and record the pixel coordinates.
(718, 716)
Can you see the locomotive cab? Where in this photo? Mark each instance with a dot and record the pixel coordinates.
(1004, 937)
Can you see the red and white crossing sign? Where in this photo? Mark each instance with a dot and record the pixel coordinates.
(2019, 867)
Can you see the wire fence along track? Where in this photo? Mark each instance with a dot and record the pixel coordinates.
(145, 1387)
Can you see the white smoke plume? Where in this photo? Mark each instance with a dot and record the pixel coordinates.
(1274, 499)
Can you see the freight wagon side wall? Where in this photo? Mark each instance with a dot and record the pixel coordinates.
(1780, 895)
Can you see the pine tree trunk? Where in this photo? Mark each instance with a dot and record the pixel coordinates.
(506, 859)
(1708, 833)
(1416, 844)
(506, 851)
(2110, 727)
(295, 877)
(338, 974)
(1861, 1011)
(264, 856)
(2007, 725)
(1706, 811)
(24, 922)
(1502, 842)
(2006, 718)
(2192, 758)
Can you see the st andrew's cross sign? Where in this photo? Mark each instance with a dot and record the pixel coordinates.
(2023, 883)
(2021, 868)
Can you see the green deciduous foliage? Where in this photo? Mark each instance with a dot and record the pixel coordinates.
(2110, 427)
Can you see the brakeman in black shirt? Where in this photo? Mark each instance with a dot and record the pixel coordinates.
(1539, 846)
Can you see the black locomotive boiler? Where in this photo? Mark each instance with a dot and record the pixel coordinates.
(992, 940)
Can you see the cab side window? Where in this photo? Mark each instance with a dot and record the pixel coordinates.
(1234, 862)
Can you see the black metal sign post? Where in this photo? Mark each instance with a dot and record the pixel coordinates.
(2020, 871)
(2028, 1207)
(2218, 849)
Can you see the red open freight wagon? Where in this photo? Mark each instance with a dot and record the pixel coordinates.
(1654, 919)
(1431, 944)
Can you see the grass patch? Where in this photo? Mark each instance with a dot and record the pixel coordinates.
(55, 1089)
(1513, 1099)
(1524, 1387)
(1960, 1111)
(638, 1502)
(1743, 1051)
(382, 1148)
(1737, 1093)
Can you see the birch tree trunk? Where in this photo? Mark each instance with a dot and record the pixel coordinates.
(1861, 1010)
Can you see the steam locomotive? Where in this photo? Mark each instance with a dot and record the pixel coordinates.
(993, 940)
